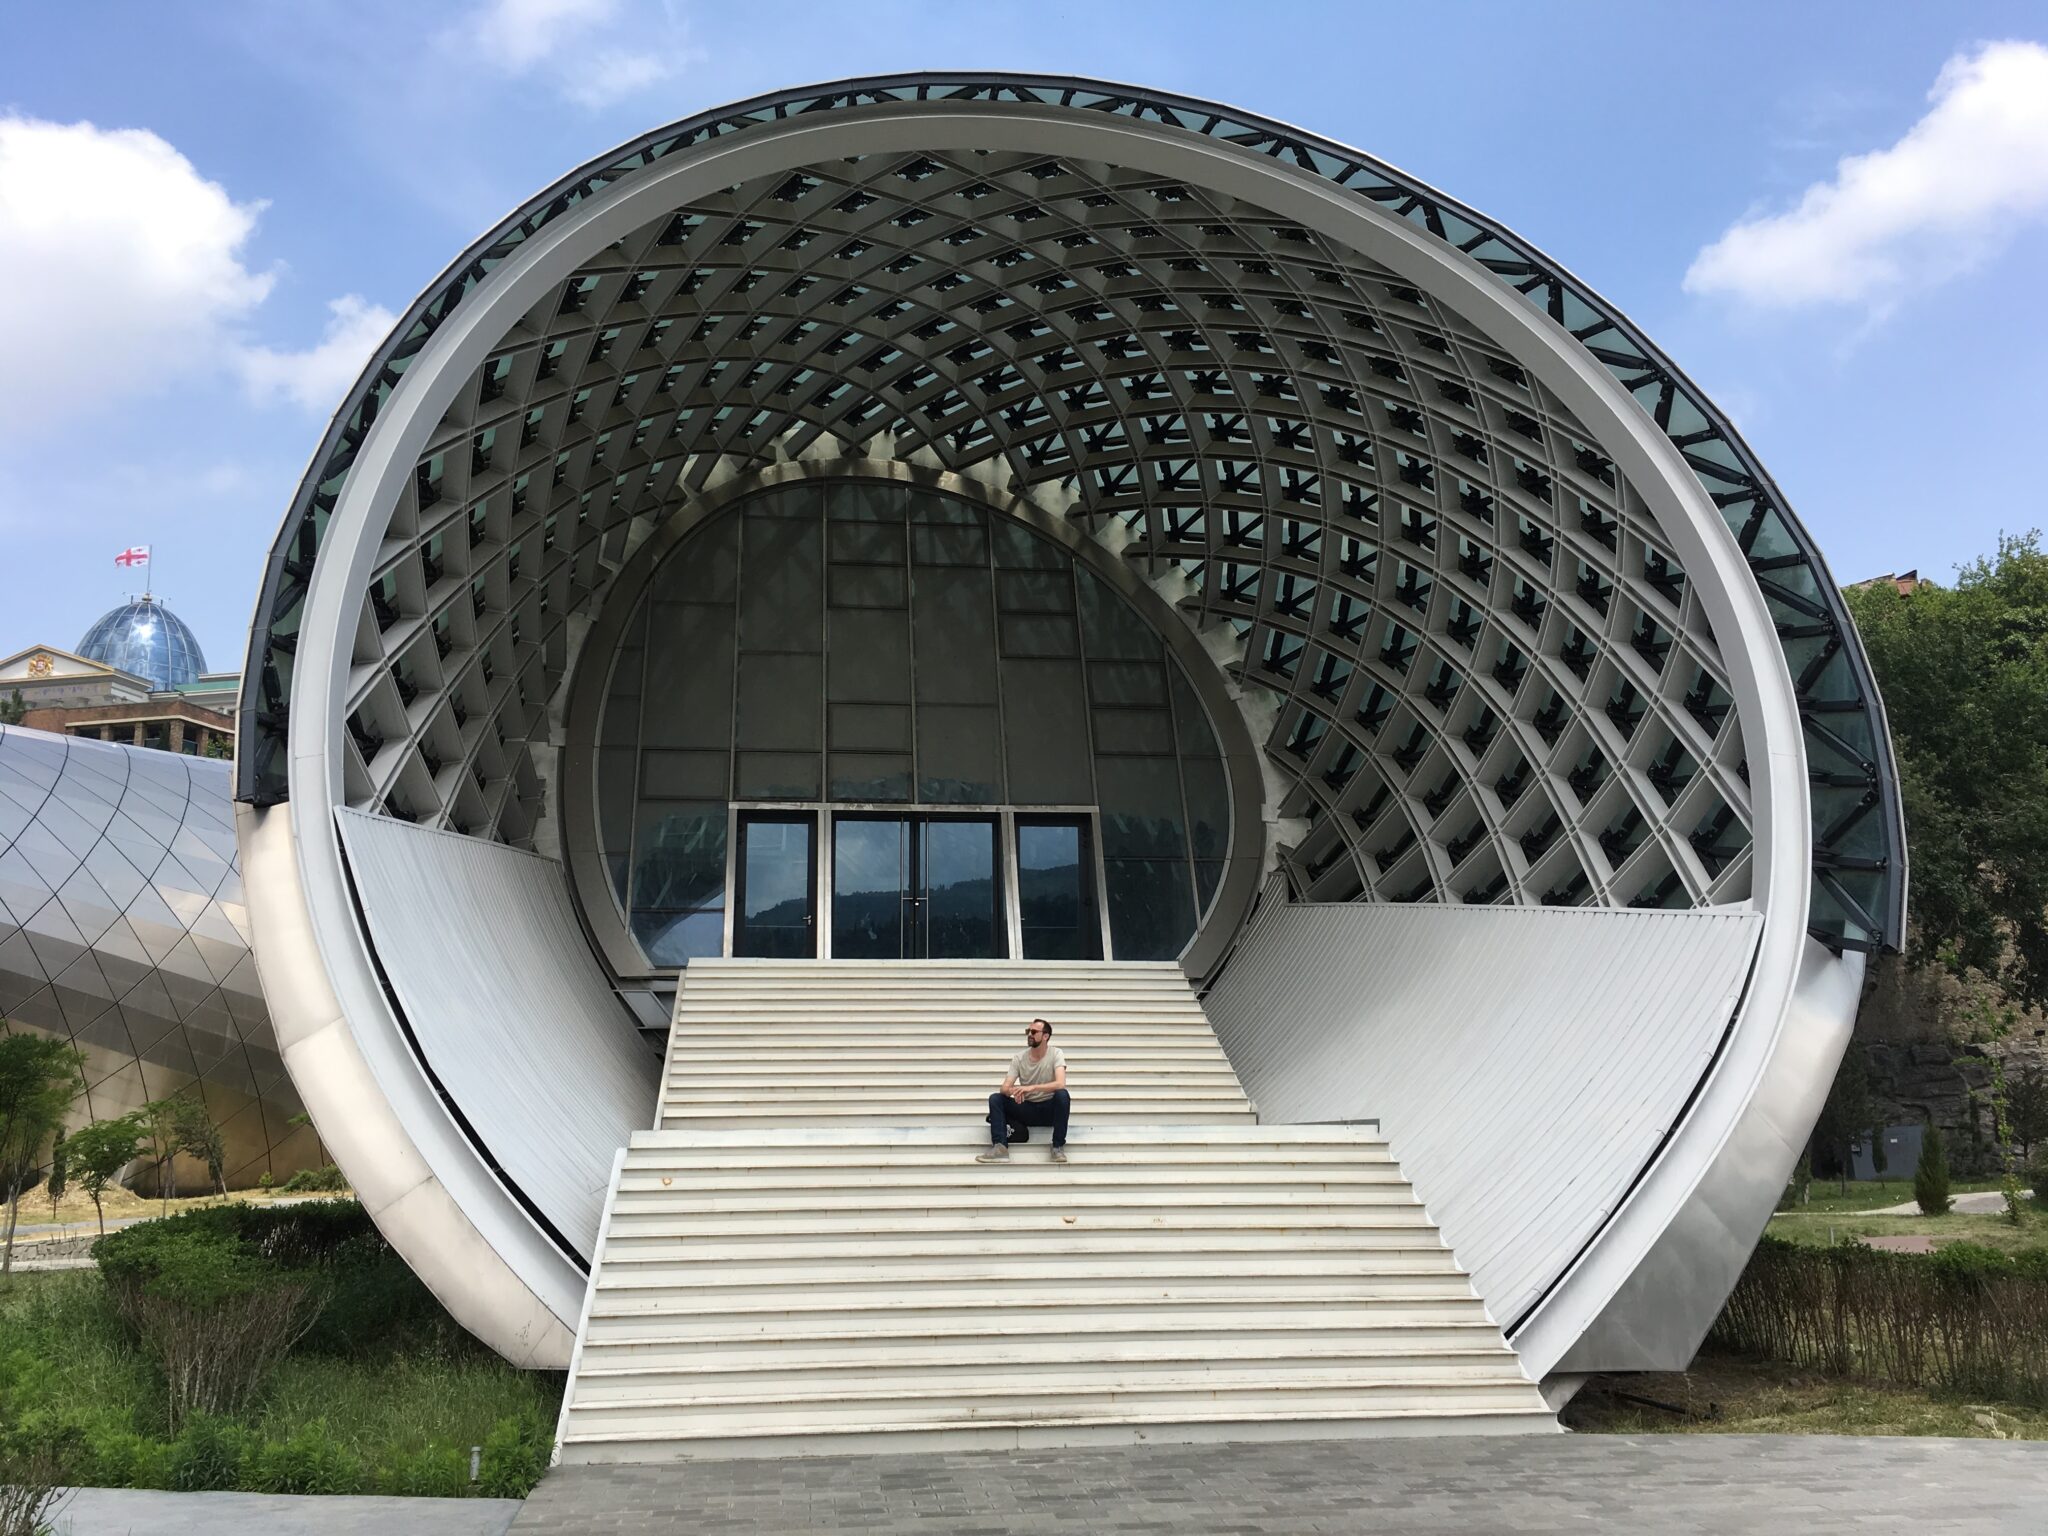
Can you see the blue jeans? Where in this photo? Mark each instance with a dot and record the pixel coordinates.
(1004, 1112)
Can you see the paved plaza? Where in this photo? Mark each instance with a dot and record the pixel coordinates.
(144, 1512)
(1728, 1484)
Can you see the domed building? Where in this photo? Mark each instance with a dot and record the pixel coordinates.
(859, 568)
(145, 639)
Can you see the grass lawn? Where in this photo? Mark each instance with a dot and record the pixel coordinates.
(1739, 1397)
(1831, 1217)
(1825, 1197)
(398, 1416)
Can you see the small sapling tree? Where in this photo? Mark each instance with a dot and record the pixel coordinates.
(98, 1152)
(38, 1077)
(1930, 1177)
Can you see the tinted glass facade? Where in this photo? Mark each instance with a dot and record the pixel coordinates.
(857, 643)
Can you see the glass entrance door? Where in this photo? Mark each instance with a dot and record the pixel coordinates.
(1056, 889)
(774, 915)
(916, 888)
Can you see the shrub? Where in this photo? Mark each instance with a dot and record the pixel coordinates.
(28, 1487)
(215, 1300)
(326, 1179)
(432, 1472)
(1968, 1318)
(515, 1458)
(2037, 1176)
(1930, 1176)
(207, 1455)
(309, 1461)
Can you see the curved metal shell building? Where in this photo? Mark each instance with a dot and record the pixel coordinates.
(1381, 624)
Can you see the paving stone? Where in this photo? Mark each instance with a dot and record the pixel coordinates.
(1734, 1485)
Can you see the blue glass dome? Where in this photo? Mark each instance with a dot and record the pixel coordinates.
(146, 638)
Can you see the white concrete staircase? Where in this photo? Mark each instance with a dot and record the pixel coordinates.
(789, 1268)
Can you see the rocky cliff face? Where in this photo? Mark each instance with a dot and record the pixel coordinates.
(1930, 1041)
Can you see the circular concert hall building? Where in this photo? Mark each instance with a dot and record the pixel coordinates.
(965, 518)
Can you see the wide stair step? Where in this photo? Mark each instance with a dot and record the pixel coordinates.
(789, 1266)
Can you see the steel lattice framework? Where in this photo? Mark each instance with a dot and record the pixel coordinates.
(1495, 681)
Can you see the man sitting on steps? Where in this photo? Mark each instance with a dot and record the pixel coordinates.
(1033, 1093)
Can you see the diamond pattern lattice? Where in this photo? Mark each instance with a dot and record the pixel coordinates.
(1496, 684)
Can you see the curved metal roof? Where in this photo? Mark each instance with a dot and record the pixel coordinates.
(1859, 868)
(147, 639)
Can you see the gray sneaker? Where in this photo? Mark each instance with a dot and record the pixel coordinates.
(1059, 1154)
(993, 1155)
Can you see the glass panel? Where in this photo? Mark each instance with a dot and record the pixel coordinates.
(870, 653)
(1141, 814)
(963, 910)
(1151, 908)
(677, 938)
(1045, 731)
(881, 776)
(959, 755)
(1208, 791)
(775, 890)
(1056, 892)
(1133, 731)
(870, 879)
(678, 881)
(777, 775)
(871, 727)
(680, 856)
(1111, 625)
(779, 697)
(689, 675)
(781, 590)
(684, 775)
(956, 642)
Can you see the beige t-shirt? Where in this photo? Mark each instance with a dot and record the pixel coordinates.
(1025, 1072)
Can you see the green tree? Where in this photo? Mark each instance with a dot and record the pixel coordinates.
(98, 1152)
(1964, 672)
(12, 708)
(38, 1077)
(1930, 1177)
(219, 746)
(159, 1121)
(199, 1137)
(1846, 1116)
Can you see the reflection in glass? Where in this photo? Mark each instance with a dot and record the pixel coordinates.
(961, 906)
(775, 889)
(867, 644)
(1056, 891)
(870, 881)
(1151, 907)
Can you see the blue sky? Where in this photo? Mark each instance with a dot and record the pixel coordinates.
(186, 284)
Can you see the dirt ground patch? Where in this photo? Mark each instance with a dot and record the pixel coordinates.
(1740, 1397)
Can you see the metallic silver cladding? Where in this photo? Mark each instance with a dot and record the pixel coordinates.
(1524, 1063)
(375, 511)
(512, 1013)
(123, 928)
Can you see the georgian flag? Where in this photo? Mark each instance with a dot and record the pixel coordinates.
(134, 555)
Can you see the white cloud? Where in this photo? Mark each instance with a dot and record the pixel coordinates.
(612, 75)
(318, 377)
(1941, 200)
(121, 267)
(571, 41)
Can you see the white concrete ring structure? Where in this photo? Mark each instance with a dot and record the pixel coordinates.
(1519, 621)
